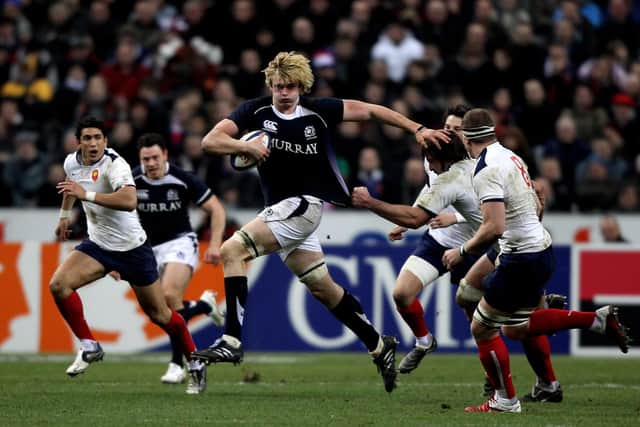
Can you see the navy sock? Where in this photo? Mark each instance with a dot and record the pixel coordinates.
(236, 291)
(350, 313)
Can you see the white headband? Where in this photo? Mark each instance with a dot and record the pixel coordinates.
(478, 132)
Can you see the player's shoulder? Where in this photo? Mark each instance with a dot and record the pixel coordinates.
(71, 161)
(256, 104)
(137, 172)
(492, 157)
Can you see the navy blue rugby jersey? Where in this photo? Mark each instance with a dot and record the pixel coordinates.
(163, 204)
(302, 159)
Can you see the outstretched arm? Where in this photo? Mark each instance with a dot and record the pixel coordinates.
(361, 111)
(406, 216)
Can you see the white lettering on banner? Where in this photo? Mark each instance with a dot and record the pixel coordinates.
(298, 312)
(443, 313)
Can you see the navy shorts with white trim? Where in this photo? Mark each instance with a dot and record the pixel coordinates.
(137, 266)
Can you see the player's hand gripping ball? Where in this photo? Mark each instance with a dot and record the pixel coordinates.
(242, 161)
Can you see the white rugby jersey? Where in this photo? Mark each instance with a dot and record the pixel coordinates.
(110, 229)
(451, 191)
(501, 175)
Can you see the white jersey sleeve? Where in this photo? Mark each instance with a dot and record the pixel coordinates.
(120, 174)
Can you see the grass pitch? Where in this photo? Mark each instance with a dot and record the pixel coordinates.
(307, 390)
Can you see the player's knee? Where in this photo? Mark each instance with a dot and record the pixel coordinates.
(402, 297)
(158, 315)
(313, 274)
(236, 248)
(57, 287)
(468, 295)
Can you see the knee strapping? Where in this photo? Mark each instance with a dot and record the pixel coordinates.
(496, 321)
(423, 270)
(314, 273)
(467, 293)
(248, 242)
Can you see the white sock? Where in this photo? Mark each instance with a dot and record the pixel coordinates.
(425, 341)
(195, 365)
(88, 345)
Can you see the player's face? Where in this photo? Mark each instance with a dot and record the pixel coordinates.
(434, 164)
(453, 124)
(153, 159)
(92, 145)
(284, 94)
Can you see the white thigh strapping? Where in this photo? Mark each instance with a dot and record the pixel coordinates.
(183, 250)
(420, 268)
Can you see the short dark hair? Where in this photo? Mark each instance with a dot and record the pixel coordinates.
(151, 139)
(89, 122)
(478, 125)
(458, 110)
(450, 152)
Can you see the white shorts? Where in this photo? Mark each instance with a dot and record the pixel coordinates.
(182, 250)
(293, 222)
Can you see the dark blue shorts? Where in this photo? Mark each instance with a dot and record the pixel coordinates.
(519, 280)
(492, 254)
(431, 251)
(137, 266)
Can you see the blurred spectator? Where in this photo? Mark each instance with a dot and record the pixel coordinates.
(515, 141)
(559, 193)
(397, 47)
(102, 28)
(619, 25)
(536, 117)
(470, 70)
(413, 181)
(567, 148)
(440, 28)
(324, 17)
(628, 198)
(610, 230)
(597, 175)
(590, 119)
(370, 173)
(26, 170)
(248, 82)
(626, 124)
(47, 195)
(125, 74)
(302, 37)
(559, 75)
(121, 140)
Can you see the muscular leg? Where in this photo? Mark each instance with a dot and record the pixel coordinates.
(152, 301)
(340, 302)
(77, 270)
(258, 240)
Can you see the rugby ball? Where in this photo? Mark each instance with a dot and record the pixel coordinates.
(243, 162)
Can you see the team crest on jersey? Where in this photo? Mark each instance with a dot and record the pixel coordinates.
(172, 195)
(143, 194)
(95, 174)
(310, 132)
(270, 125)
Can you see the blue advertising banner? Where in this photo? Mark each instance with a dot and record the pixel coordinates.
(281, 314)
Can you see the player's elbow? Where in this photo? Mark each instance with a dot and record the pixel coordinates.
(209, 143)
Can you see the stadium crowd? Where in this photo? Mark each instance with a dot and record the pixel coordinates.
(562, 79)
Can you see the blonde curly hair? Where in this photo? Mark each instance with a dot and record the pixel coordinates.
(291, 67)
